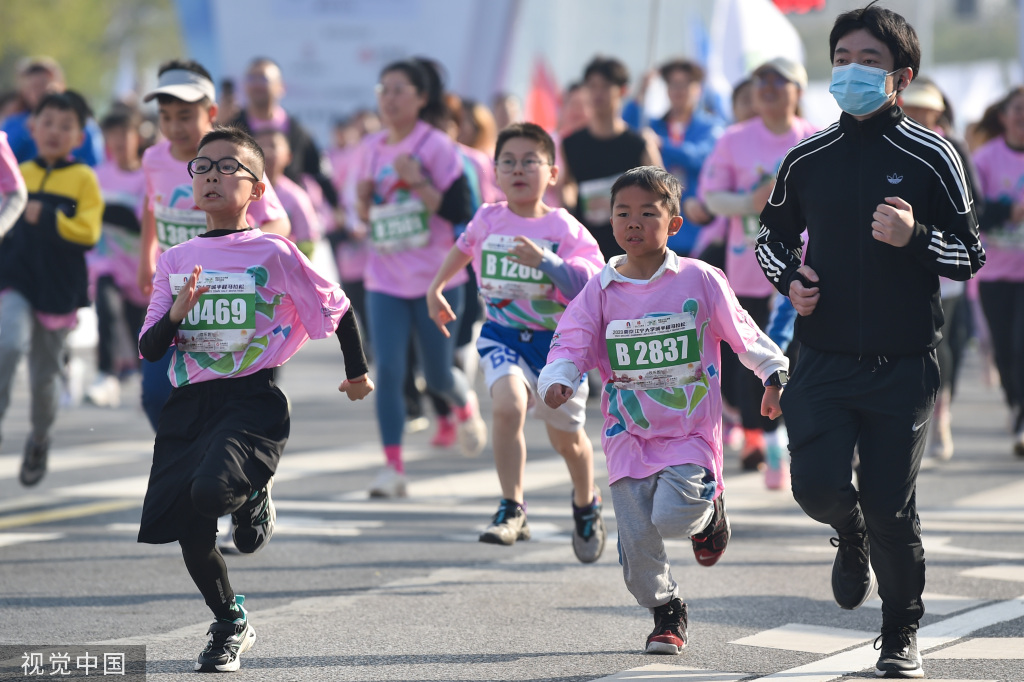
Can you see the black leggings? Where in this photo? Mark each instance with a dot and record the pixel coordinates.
(119, 322)
(748, 388)
(209, 500)
(1003, 303)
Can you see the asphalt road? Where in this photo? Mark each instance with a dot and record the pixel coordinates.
(358, 589)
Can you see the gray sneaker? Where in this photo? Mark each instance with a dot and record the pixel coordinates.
(33, 463)
(507, 525)
(588, 533)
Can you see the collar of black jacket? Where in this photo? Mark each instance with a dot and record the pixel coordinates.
(874, 126)
(63, 163)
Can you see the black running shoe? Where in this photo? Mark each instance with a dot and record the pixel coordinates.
(507, 525)
(709, 544)
(852, 577)
(898, 655)
(228, 640)
(589, 533)
(33, 463)
(254, 522)
(669, 635)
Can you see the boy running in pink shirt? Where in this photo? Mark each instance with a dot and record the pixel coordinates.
(234, 303)
(651, 323)
(530, 261)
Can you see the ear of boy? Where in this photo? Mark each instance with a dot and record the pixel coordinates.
(675, 225)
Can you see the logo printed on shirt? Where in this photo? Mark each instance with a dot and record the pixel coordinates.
(894, 179)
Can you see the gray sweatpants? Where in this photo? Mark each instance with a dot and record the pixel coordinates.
(674, 503)
(21, 334)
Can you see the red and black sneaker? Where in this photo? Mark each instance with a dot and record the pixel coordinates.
(709, 544)
(669, 635)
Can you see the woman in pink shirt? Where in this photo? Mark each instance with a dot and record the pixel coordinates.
(411, 190)
(735, 182)
(1000, 164)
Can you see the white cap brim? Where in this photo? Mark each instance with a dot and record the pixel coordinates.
(185, 85)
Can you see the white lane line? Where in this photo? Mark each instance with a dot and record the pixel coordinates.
(11, 539)
(999, 648)
(1006, 497)
(813, 639)
(665, 671)
(938, 604)
(998, 572)
(928, 637)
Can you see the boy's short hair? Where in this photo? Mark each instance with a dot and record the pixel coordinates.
(610, 68)
(196, 86)
(655, 180)
(121, 116)
(530, 131)
(885, 25)
(69, 100)
(239, 138)
(691, 68)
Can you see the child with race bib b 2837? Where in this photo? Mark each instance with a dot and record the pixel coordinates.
(651, 322)
(530, 261)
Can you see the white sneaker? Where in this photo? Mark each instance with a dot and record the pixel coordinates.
(388, 483)
(472, 433)
(105, 391)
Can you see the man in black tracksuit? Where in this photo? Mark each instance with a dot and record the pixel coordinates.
(887, 208)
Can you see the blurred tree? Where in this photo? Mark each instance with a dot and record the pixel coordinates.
(89, 38)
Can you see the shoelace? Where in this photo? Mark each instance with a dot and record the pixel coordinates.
(900, 633)
(505, 510)
(669, 615)
(850, 548)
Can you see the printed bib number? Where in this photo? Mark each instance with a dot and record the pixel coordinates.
(504, 279)
(177, 225)
(596, 200)
(224, 318)
(400, 226)
(751, 226)
(653, 352)
(1010, 237)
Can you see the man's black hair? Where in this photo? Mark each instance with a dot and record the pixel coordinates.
(69, 100)
(691, 68)
(885, 25)
(239, 138)
(610, 68)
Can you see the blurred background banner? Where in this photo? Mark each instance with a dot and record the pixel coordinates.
(331, 51)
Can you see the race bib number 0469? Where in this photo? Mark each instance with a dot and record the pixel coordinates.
(224, 318)
(654, 352)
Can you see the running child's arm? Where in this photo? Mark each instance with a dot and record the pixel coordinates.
(574, 347)
(12, 204)
(569, 280)
(155, 341)
(357, 384)
(147, 251)
(758, 353)
(440, 312)
(81, 224)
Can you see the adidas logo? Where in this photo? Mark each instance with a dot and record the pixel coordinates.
(894, 179)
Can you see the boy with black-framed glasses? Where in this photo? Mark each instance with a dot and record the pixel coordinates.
(234, 303)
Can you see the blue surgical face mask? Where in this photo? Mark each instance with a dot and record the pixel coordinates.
(859, 90)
